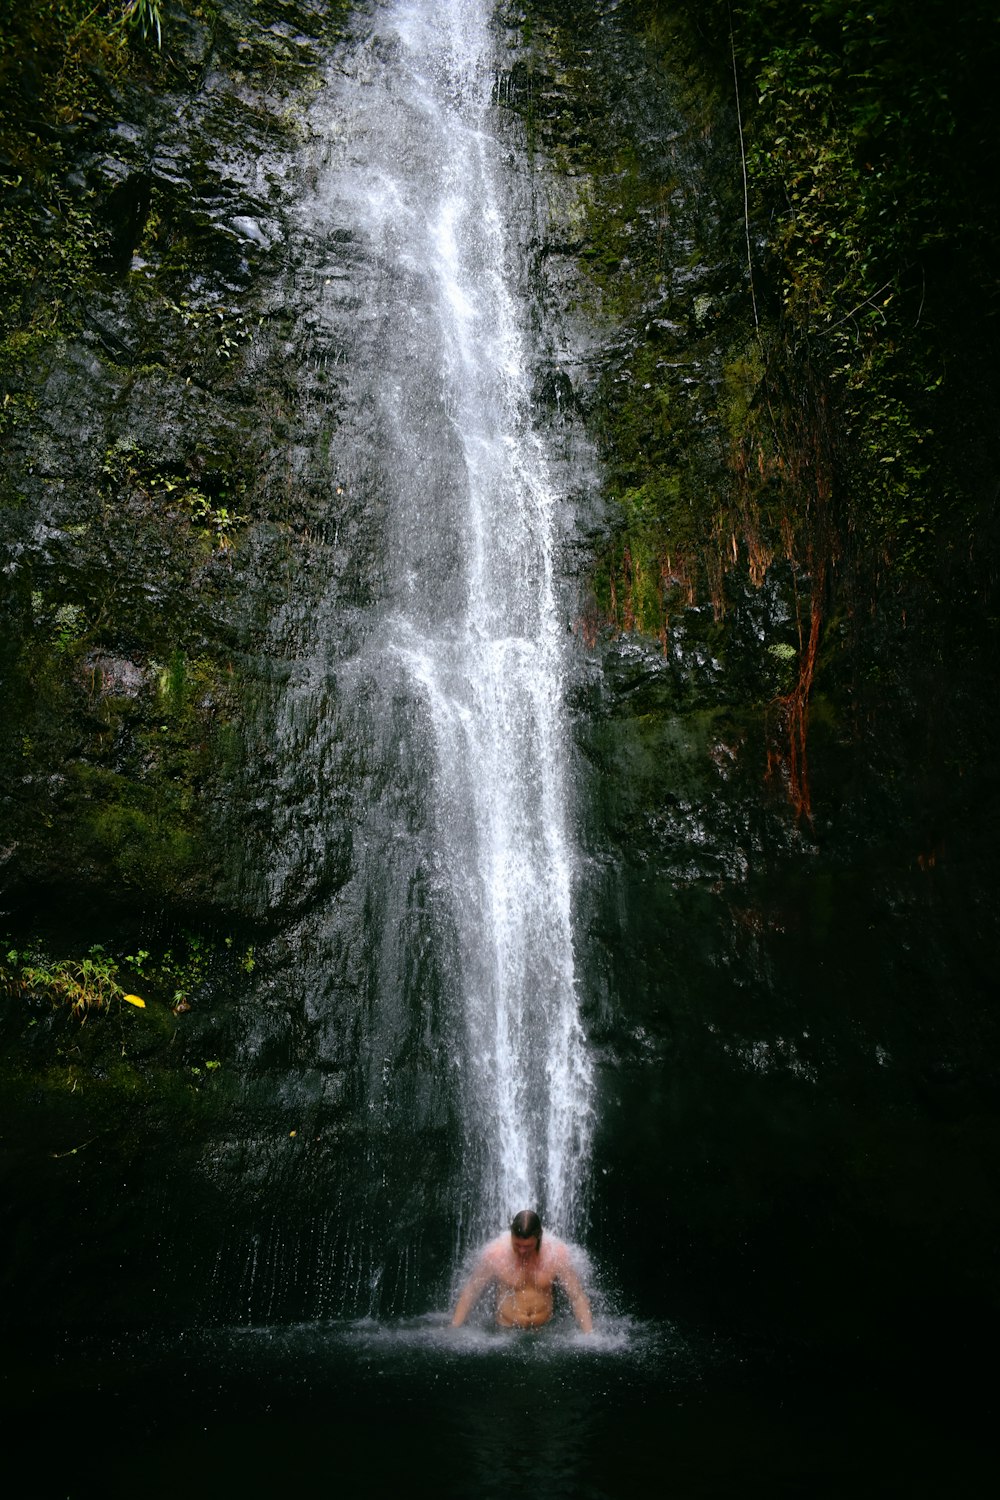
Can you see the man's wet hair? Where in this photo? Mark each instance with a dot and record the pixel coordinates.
(527, 1225)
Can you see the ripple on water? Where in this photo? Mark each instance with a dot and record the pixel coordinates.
(426, 1348)
(374, 1408)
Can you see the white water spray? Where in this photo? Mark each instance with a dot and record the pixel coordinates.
(475, 623)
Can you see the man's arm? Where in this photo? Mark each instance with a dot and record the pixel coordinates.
(473, 1289)
(577, 1296)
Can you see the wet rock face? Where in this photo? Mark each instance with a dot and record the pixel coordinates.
(791, 1018)
(200, 774)
(175, 508)
(148, 468)
(787, 1009)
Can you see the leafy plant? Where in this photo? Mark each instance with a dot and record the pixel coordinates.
(84, 985)
(69, 625)
(93, 982)
(180, 970)
(129, 468)
(146, 15)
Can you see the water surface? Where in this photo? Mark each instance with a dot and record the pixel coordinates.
(417, 1408)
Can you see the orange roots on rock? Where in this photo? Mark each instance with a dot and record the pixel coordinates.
(793, 715)
(779, 506)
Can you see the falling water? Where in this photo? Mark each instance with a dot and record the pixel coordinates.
(473, 624)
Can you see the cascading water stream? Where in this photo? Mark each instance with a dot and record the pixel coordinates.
(473, 623)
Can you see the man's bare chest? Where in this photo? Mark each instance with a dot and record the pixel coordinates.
(538, 1276)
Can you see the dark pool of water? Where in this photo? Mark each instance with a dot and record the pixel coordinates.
(361, 1409)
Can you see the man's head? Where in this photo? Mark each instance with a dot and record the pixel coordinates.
(526, 1232)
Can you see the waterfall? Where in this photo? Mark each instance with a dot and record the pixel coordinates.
(472, 626)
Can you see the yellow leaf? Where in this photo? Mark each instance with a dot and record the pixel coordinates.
(134, 1000)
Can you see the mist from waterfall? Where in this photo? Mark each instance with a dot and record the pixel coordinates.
(472, 621)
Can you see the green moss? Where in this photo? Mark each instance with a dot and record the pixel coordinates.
(50, 246)
(127, 747)
(815, 434)
(742, 382)
(142, 834)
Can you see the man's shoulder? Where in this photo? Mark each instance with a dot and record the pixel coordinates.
(563, 1258)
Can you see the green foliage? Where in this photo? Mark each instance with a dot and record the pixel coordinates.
(146, 16)
(49, 241)
(225, 329)
(870, 144)
(128, 469)
(851, 117)
(83, 985)
(64, 624)
(177, 972)
(871, 154)
(93, 983)
(60, 63)
(79, 50)
(845, 143)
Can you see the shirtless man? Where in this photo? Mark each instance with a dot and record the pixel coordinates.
(524, 1272)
